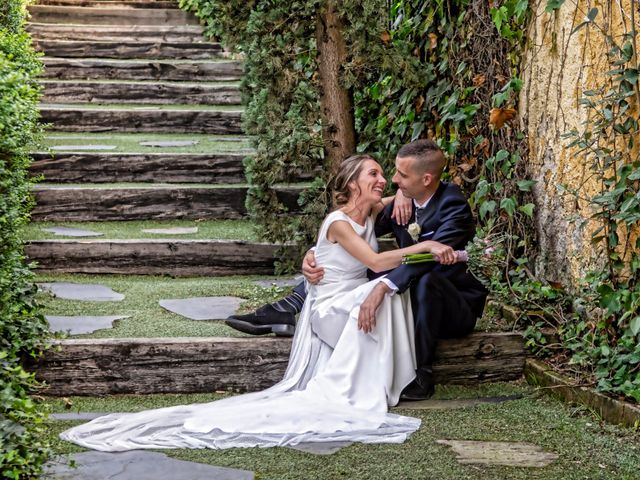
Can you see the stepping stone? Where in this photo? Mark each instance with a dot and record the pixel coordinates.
(88, 292)
(203, 308)
(80, 324)
(138, 465)
(281, 282)
(72, 232)
(453, 404)
(514, 454)
(170, 143)
(172, 231)
(84, 147)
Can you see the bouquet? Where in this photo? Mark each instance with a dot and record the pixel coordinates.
(485, 257)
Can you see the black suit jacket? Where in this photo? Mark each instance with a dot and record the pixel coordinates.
(447, 219)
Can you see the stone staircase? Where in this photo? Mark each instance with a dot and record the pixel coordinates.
(138, 67)
(116, 70)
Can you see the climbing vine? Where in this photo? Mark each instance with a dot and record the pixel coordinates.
(22, 327)
(416, 68)
(601, 332)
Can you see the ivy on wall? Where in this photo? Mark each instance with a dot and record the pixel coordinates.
(601, 333)
(23, 330)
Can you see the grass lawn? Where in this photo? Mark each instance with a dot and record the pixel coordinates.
(207, 230)
(587, 448)
(130, 143)
(146, 317)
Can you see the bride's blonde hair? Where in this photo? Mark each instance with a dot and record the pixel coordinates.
(349, 170)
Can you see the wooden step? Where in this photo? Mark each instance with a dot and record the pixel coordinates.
(129, 49)
(165, 70)
(140, 120)
(129, 33)
(153, 257)
(110, 16)
(189, 365)
(113, 3)
(74, 167)
(86, 203)
(74, 91)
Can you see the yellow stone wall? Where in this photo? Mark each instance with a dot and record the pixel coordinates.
(557, 67)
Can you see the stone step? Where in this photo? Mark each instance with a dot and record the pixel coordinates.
(113, 3)
(185, 365)
(129, 33)
(129, 49)
(79, 167)
(77, 91)
(110, 16)
(173, 257)
(72, 118)
(165, 70)
(145, 202)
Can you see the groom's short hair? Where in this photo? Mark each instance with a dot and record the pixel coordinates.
(427, 154)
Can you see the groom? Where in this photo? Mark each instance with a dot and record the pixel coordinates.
(446, 299)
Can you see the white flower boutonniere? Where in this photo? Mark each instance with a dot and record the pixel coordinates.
(414, 230)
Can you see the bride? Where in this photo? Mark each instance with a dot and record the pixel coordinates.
(341, 377)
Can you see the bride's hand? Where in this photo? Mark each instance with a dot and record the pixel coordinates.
(368, 308)
(402, 208)
(444, 253)
(310, 270)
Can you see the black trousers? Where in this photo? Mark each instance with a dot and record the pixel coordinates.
(439, 311)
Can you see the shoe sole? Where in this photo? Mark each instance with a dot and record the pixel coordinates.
(283, 330)
(280, 329)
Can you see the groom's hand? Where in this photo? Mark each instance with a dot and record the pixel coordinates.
(368, 308)
(310, 270)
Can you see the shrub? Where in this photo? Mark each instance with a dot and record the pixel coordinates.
(23, 329)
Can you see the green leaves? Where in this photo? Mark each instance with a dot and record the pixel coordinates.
(23, 330)
(553, 5)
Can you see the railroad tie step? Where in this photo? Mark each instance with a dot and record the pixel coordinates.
(189, 365)
(151, 92)
(144, 69)
(110, 16)
(144, 202)
(71, 118)
(155, 257)
(85, 167)
(129, 49)
(127, 33)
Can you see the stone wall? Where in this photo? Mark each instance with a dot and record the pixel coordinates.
(558, 66)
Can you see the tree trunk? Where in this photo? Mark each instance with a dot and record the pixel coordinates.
(335, 100)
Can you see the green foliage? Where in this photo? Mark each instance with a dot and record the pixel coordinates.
(22, 327)
(605, 339)
(425, 69)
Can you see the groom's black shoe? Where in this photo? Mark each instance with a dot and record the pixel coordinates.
(264, 320)
(421, 388)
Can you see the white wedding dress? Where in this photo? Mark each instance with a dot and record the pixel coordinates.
(337, 387)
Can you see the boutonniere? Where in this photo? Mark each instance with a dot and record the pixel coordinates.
(414, 231)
